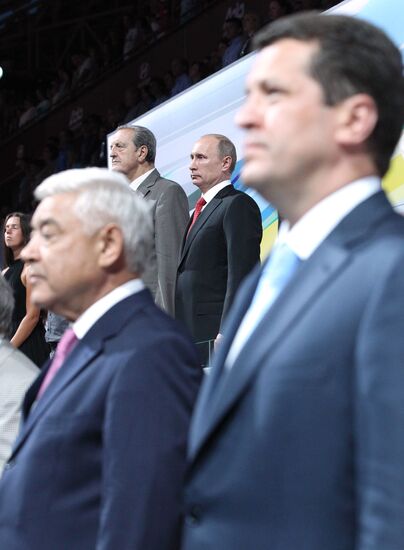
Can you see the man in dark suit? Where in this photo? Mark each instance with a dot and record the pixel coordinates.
(221, 245)
(99, 461)
(133, 152)
(297, 439)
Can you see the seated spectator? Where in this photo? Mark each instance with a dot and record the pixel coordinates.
(83, 67)
(66, 156)
(29, 112)
(162, 12)
(251, 24)
(48, 158)
(233, 32)
(145, 97)
(131, 31)
(277, 9)
(197, 72)
(89, 141)
(60, 86)
(43, 101)
(168, 81)
(136, 102)
(158, 92)
(179, 69)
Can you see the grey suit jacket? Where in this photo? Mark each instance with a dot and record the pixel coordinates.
(170, 217)
(17, 372)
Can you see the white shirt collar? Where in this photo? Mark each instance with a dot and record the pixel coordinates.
(87, 319)
(213, 191)
(136, 182)
(312, 228)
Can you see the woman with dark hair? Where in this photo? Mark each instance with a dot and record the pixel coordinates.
(28, 334)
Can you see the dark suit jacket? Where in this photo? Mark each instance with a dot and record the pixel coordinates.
(301, 444)
(99, 461)
(222, 247)
(170, 211)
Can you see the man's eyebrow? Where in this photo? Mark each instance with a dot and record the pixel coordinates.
(46, 222)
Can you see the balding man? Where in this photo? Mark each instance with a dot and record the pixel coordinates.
(221, 245)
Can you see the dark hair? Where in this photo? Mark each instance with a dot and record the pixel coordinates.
(26, 230)
(353, 57)
(142, 136)
(226, 148)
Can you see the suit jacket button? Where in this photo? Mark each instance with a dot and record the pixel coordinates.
(193, 517)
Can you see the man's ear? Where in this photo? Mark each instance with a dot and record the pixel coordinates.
(143, 151)
(226, 163)
(357, 118)
(111, 245)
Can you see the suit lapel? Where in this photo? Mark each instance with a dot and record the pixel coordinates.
(147, 185)
(203, 218)
(79, 358)
(309, 283)
(87, 349)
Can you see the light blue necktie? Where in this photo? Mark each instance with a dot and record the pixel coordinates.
(277, 272)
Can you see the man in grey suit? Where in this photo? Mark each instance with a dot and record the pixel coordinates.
(17, 372)
(133, 152)
(297, 439)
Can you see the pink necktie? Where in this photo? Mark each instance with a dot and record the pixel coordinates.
(63, 349)
(200, 203)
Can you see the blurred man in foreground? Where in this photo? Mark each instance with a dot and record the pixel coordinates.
(100, 459)
(297, 439)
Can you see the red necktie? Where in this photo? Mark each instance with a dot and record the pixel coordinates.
(200, 203)
(63, 349)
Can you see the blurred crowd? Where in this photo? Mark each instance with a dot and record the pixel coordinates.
(83, 142)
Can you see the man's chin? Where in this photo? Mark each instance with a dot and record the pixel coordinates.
(253, 177)
(41, 299)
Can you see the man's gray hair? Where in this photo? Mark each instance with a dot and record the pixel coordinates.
(103, 197)
(6, 307)
(142, 136)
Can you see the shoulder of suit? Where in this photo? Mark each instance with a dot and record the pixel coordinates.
(168, 183)
(170, 187)
(232, 194)
(14, 359)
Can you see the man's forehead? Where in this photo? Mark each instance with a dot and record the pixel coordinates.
(54, 207)
(205, 143)
(284, 54)
(124, 134)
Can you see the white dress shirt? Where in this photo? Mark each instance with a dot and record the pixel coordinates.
(306, 236)
(136, 182)
(312, 229)
(213, 191)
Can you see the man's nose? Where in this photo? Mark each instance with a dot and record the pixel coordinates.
(247, 115)
(28, 252)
